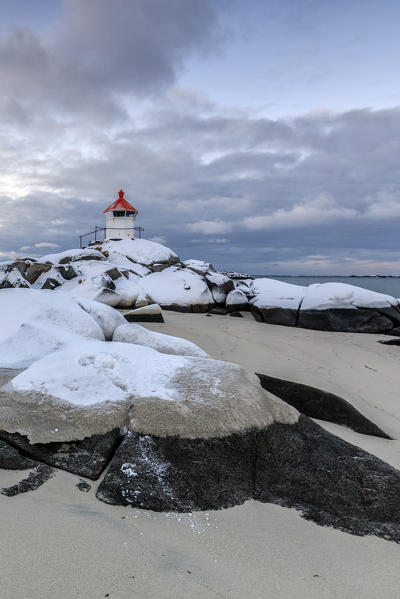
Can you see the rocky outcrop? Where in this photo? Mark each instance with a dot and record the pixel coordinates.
(320, 404)
(344, 320)
(86, 458)
(150, 313)
(295, 465)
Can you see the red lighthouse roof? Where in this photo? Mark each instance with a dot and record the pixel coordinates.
(120, 204)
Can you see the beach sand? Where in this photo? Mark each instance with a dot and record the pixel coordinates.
(61, 543)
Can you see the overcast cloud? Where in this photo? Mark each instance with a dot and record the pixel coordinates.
(95, 102)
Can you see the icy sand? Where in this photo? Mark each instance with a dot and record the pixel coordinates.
(62, 543)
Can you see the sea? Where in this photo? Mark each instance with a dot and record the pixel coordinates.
(389, 285)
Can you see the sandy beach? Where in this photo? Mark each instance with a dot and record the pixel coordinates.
(63, 543)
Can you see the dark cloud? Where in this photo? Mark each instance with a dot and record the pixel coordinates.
(95, 106)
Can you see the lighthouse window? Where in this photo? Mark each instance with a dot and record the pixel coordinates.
(119, 212)
(130, 213)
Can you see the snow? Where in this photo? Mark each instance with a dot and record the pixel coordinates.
(74, 254)
(167, 344)
(106, 317)
(176, 286)
(139, 250)
(199, 266)
(236, 297)
(101, 373)
(322, 296)
(35, 323)
(273, 293)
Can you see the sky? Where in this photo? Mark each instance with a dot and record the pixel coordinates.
(262, 136)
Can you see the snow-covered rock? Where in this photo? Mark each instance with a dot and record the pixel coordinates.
(35, 323)
(106, 317)
(324, 296)
(148, 313)
(89, 390)
(73, 255)
(166, 344)
(178, 289)
(199, 266)
(220, 286)
(141, 251)
(236, 300)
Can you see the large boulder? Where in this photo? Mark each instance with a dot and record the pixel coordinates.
(220, 286)
(178, 289)
(237, 301)
(35, 323)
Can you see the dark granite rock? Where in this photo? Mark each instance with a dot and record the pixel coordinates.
(330, 481)
(114, 274)
(219, 311)
(86, 458)
(50, 283)
(395, 332)
(173, 473)
(302, 466)
(36, 478)
(79, 257)
(67, 271)
(320, 404)
(12, 459)
(344, 320)
(390, 342)
(159, 267)
(35, 270)
(83, 486)
(236, 314)
(282, 316)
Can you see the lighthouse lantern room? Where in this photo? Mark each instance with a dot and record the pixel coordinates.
(120, 219)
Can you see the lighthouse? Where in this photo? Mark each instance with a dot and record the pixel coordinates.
(120, 219)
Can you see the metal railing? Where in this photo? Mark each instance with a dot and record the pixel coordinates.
(98, 230)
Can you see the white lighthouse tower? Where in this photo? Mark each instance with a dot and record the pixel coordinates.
(120, 219)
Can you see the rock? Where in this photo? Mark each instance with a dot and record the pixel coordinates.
(220, 286)
(178, 289)
(272, 315)
(50, 283)
(36, 478)
(150, 313)
(113, 273)
(134, 333)
(159, 267)
(391, 342)
(199, 266)
(237, 301)
(394, 332)
(83, 486)
(236, 314)
(86, 458)
(67, 271)
(295, 465)
(106, 317)
(316, 403)
(344, 320)
(12, 459)
(332, 482)
(219, 311)
(35, 270)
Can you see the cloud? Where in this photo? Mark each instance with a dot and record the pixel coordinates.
(315, 212)
(209, 227)
(46, 244)
(101, 51)
(96, 104)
